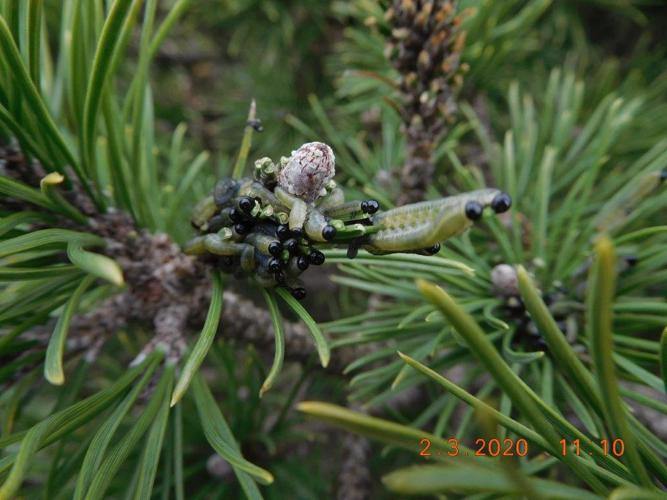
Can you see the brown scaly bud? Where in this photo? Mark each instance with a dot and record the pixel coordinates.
(424, 47)
(308, 170)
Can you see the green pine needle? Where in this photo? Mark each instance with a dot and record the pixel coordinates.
(204, 342)
(53, 365)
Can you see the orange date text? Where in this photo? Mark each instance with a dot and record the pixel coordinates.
(493, 447)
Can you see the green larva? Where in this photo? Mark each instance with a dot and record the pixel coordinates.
(264, 229)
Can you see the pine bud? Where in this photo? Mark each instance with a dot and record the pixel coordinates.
(505, 281)
(308, 171)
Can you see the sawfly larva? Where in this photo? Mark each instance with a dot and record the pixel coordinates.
(271, 227)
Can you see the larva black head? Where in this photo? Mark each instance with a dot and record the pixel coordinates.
(280, 277)
(302, 262)
(246, 204)
(274, 265)
(432, 250)
(275, 247)
(224, 191)
(297, 233)
(291, 245)
(631, 260)
(298, 293)
(352, 251)
(328, 232)
(501, 203)
(235, 215)
(474, 210)
(316, 258)
(370, 206)
(256, 124)
(242, 228)
(282, 232)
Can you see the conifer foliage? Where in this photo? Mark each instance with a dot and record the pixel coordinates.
(132, 367)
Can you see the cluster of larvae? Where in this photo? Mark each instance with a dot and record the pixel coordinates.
(273, 226)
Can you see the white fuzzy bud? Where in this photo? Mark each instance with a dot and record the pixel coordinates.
(218, 467)
(308, 171)
(505, 280)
